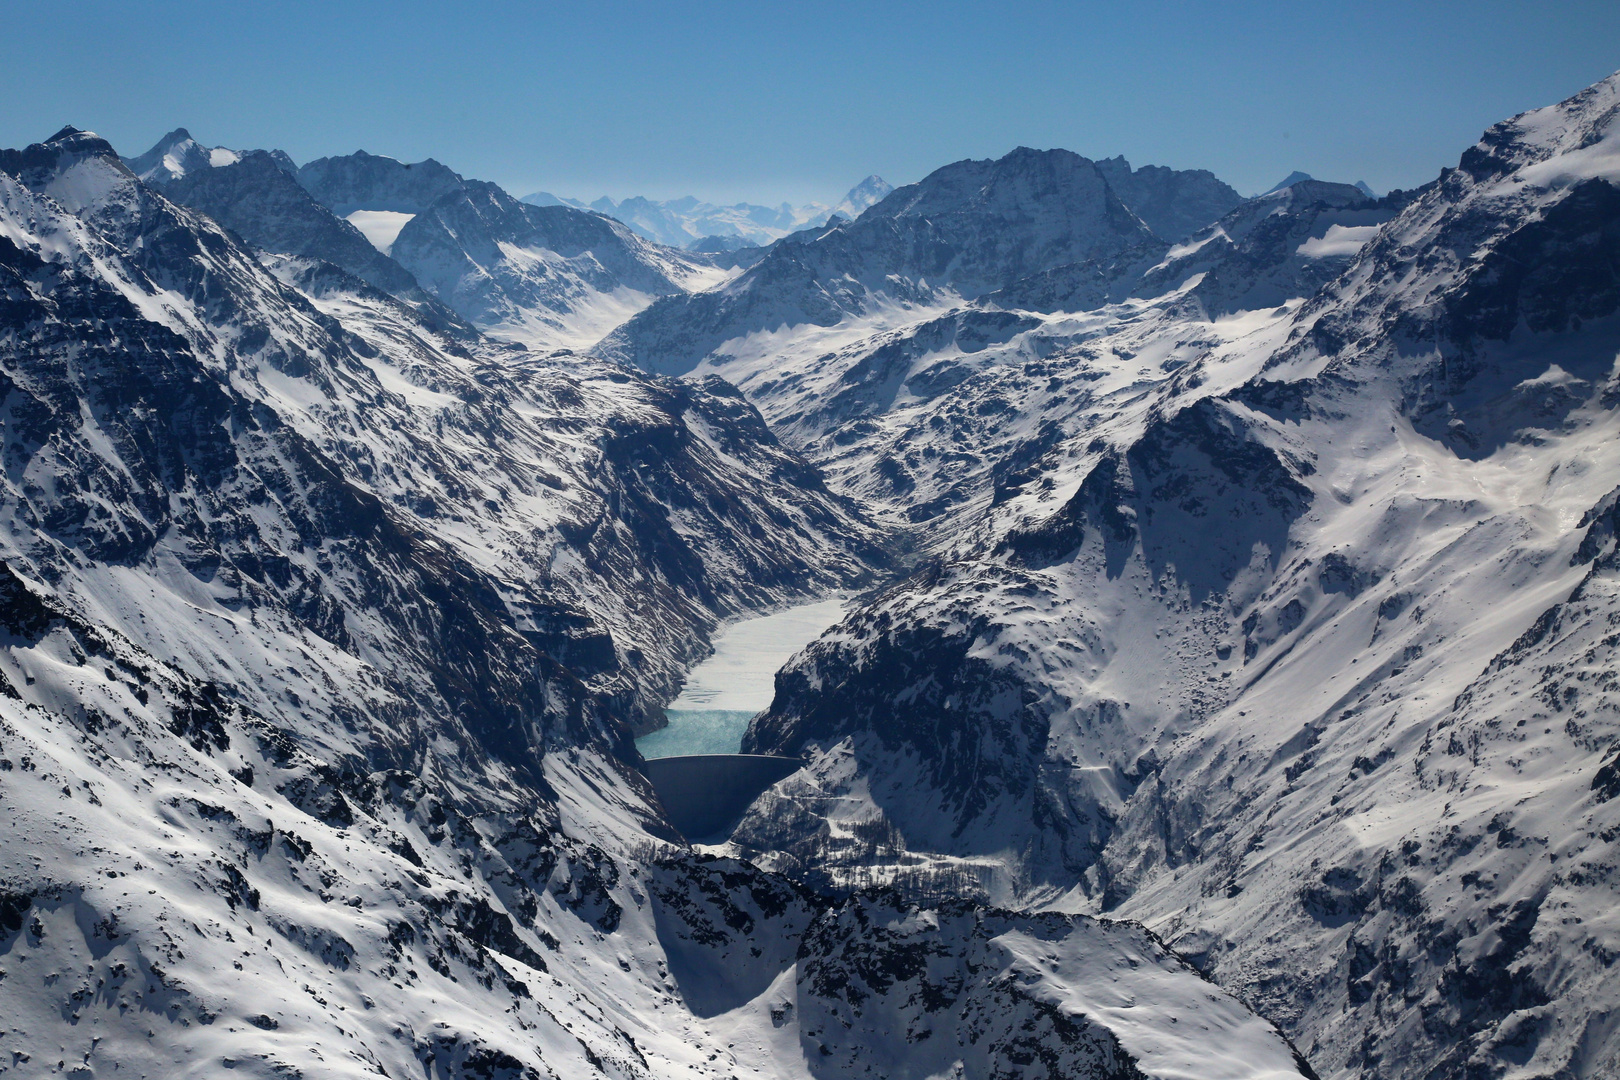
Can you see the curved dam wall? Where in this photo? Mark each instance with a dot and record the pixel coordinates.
(704, 793)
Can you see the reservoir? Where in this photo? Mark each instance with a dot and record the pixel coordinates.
(725, 691)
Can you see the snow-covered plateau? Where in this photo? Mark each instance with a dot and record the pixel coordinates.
(1222, 683)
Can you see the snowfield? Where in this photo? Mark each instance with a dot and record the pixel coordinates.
(381, 227)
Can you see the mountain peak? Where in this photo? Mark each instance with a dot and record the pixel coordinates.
(79, 169)
(1577, 134)
(1295, 177)
(1025, 180)
(869, 192)
(171, 157)
(1174, 203)
(365, 181)
(61, 151)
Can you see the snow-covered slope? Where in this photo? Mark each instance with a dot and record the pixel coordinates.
(931, 413)
(511, 461)
(879, 986)
(546, 276)
(320, 639)
(1297, 645)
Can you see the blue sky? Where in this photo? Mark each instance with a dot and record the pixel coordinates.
(797, 101)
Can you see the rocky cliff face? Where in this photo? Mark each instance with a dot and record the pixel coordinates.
(1174, 203)
(362, 181)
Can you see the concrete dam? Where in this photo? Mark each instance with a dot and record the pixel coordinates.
(704, 794)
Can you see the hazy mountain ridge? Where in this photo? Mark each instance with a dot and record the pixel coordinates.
(687, 222)
(473, 256)
(548, 277)
(265, 205)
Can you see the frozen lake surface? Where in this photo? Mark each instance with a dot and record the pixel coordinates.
(725, 691)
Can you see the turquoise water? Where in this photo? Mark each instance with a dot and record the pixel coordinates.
(729, 688)
(696, 731)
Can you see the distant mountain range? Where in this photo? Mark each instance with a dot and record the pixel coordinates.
(690, 223)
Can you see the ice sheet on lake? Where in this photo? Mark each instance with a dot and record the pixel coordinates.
(741, 675)
(725, 691)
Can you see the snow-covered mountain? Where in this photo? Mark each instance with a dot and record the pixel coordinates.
(546, 277)
(178, 155)
(691, 223)
(964, 230)
(543, 278)
(860, 198)
(324, 634)
(266, 206)
(931, 413)
(1285, 624)
(436, 431)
